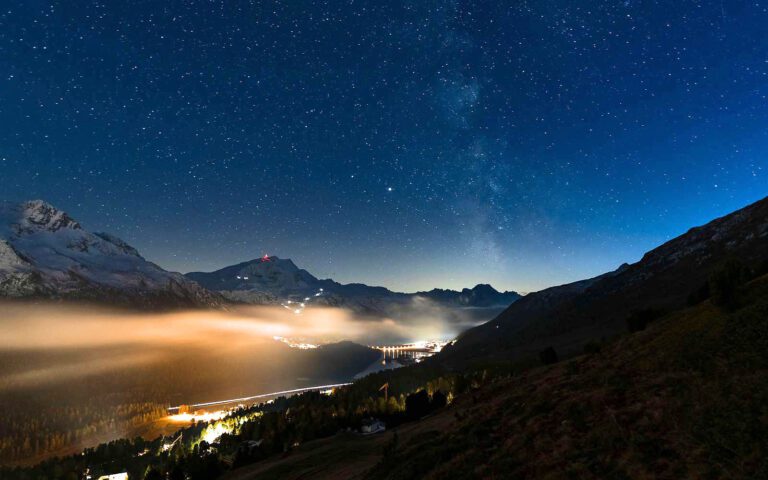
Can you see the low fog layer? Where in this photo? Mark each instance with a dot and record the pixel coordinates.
(25, 326)
(56, 343)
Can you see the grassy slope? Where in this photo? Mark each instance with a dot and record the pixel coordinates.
(687, 398)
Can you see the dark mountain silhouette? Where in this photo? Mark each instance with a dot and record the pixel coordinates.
(568, 316)
(270, 280)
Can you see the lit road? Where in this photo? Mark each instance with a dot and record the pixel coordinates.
(263, 395)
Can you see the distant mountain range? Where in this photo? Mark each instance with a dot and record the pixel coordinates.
(44, 253)
(568, 316)
(273, 280)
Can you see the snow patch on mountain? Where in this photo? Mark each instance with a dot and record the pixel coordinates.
(45, 252)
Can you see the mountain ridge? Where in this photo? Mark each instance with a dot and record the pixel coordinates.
(268, 279)
(568, 316)
(46, 254)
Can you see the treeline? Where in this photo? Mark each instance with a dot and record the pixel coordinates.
(279, 427)
(204, 450)
(52, 429)
(726, 281)
(282, 425)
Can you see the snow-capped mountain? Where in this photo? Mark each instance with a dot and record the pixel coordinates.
(45, 253)
(273, 280)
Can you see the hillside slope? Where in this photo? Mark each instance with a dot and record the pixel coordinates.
(686, 398)
(567, 317)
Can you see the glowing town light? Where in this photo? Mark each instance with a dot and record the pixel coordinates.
(301, 305)
(214, 432)
(115, 476)
(197, 416)
(292, 344)
(168, 446)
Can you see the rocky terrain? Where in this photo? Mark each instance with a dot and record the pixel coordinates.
(46, 254)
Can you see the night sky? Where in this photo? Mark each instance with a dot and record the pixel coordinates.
(412, 144)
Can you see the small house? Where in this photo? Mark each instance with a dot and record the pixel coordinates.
(115, 476)
(372, 425)
(250, 447)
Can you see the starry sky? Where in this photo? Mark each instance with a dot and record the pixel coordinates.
(411, 144)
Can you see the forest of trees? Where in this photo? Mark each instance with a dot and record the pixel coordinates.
(53, 429)
(206, 449)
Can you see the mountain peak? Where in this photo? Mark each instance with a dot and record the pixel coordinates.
(484, 287)
(36, 215)
(267, 262)
(45, 253)
(266, 274)
(271, 259)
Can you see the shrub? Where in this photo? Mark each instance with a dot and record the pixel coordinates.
(762, 268)
(439, 400)
(462, 384)
(592, 347)
(390, 451)
(548, 356)
(153, 474)
(699, 295)
(417, 404)
(638, 320)
(725, 281)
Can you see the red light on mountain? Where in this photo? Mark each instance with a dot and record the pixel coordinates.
(265, 258)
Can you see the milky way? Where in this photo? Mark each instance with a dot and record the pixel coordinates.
(411, 144)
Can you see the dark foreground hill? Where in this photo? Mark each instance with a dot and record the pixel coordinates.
(665, 279)
(686, 398)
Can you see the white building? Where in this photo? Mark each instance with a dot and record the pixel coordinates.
(115, 476)
(372, 425)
